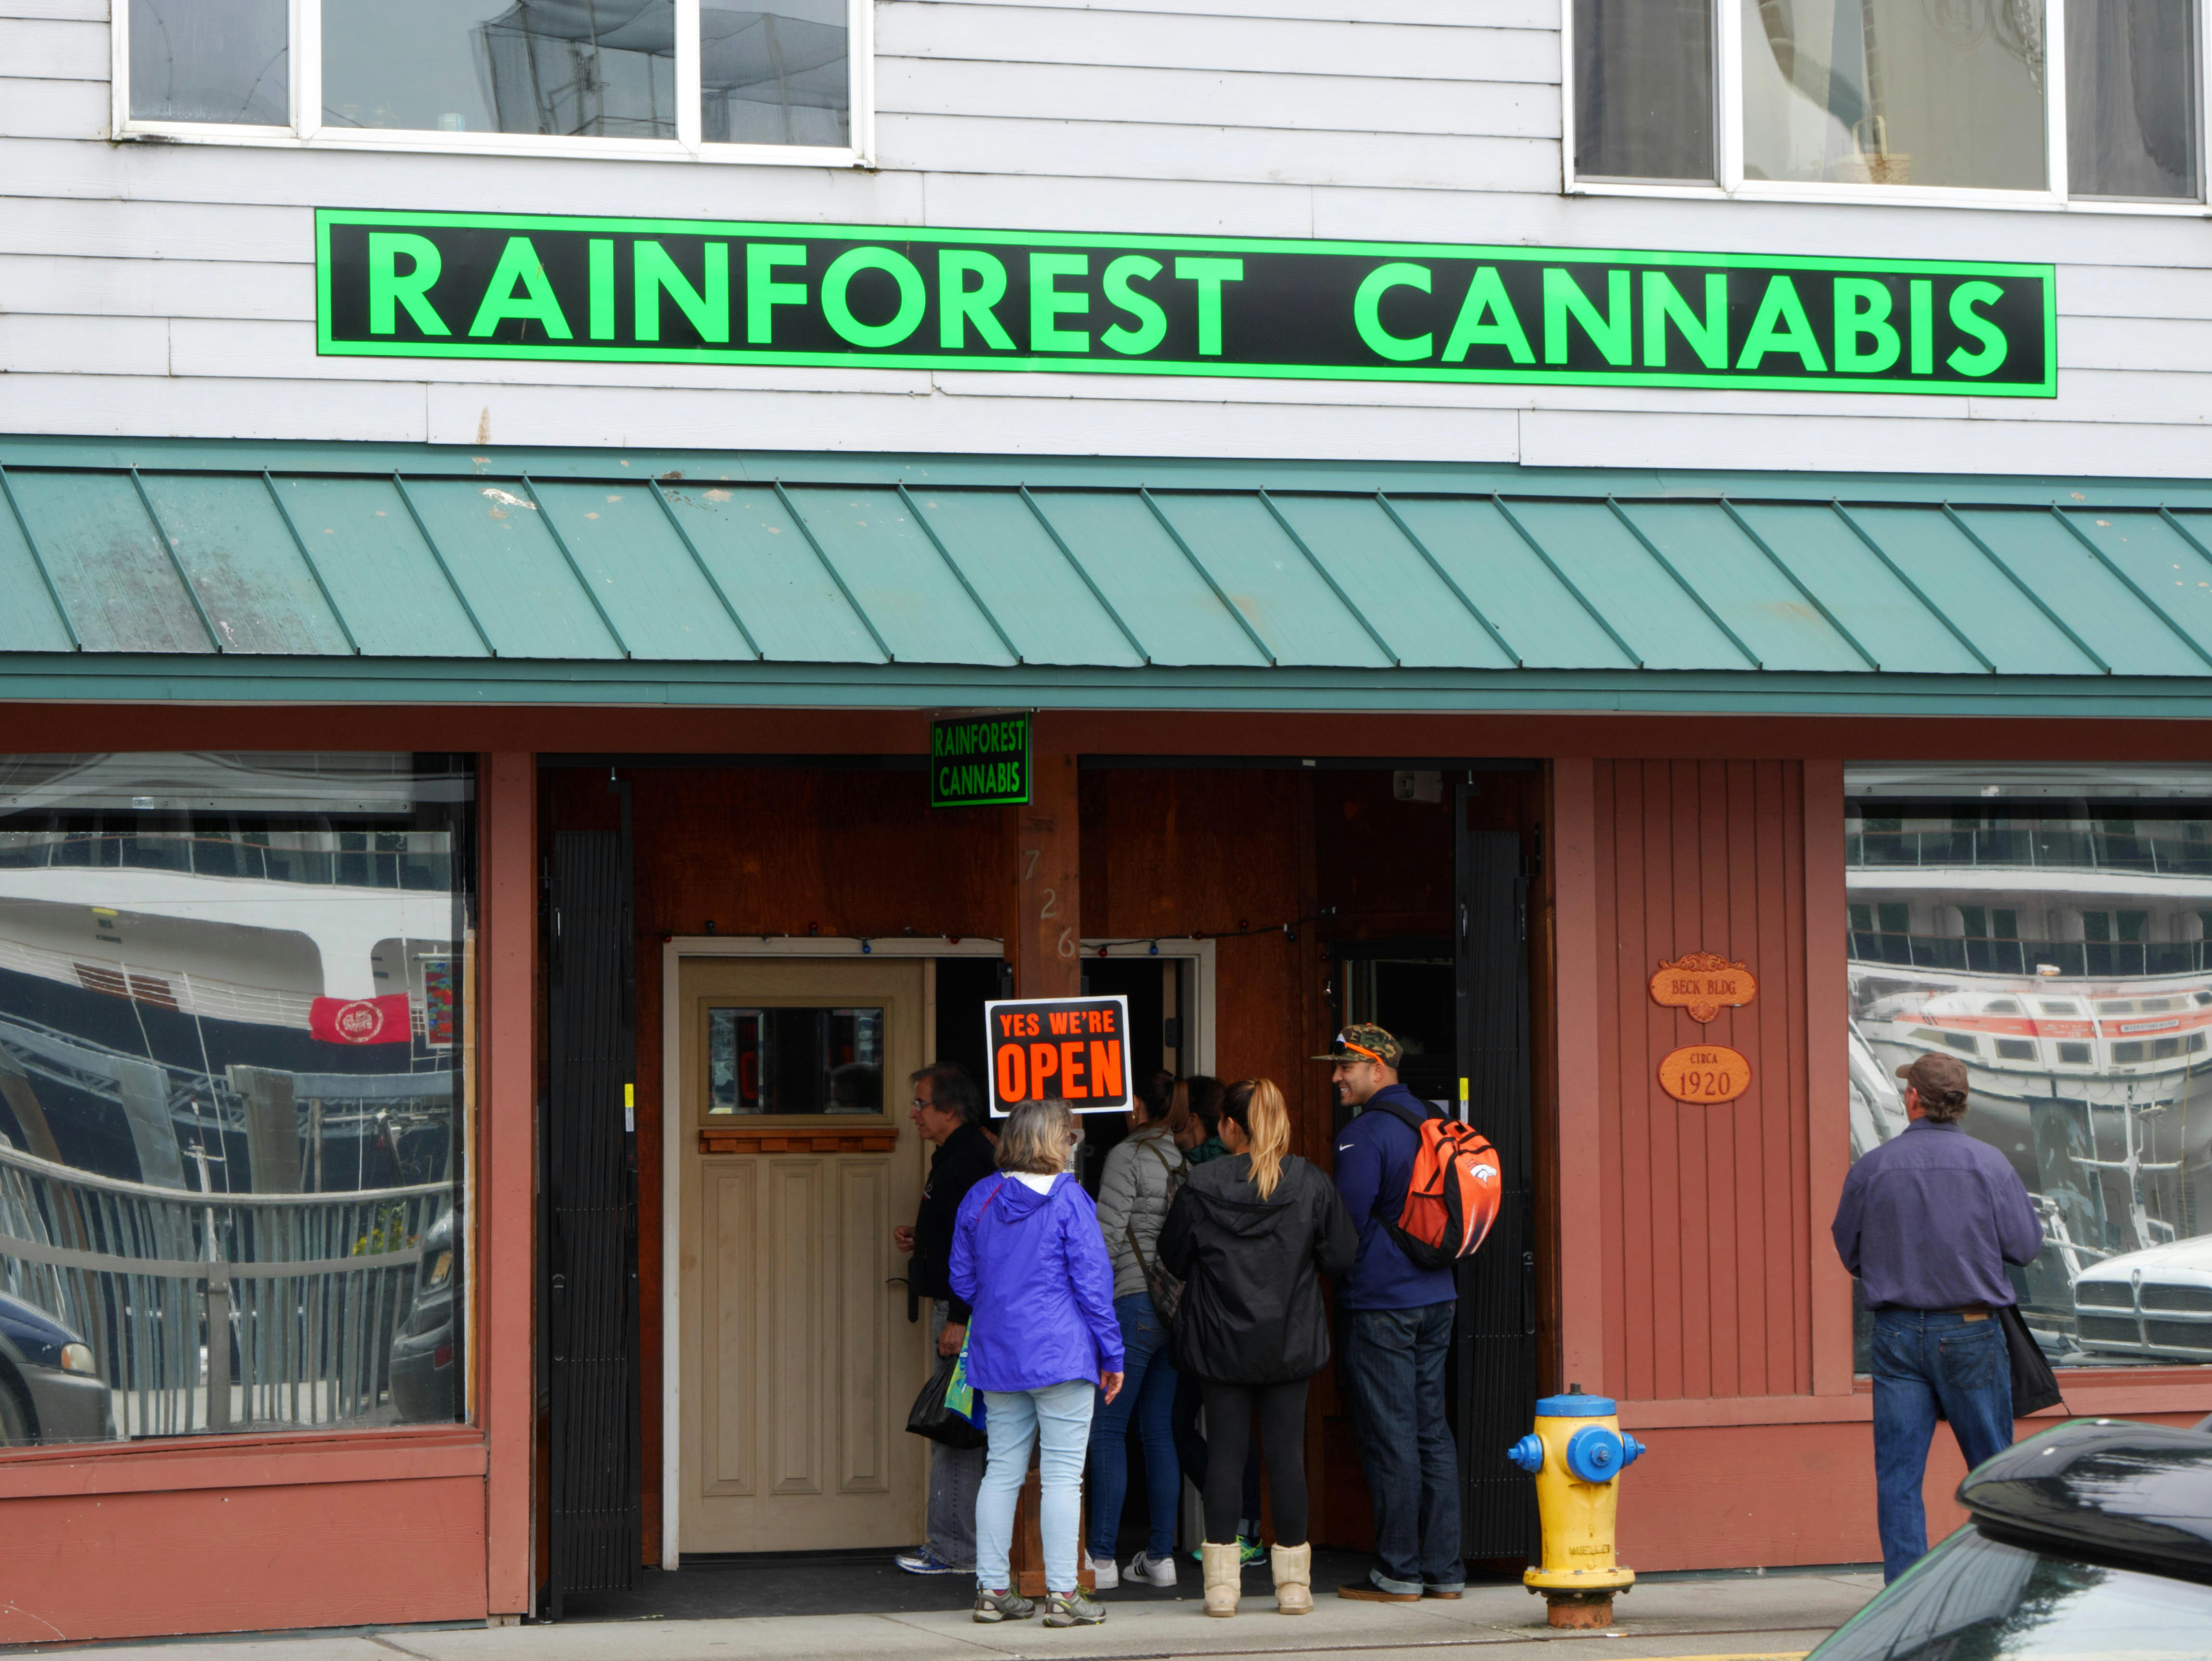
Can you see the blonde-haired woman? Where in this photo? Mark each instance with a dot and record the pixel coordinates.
(1252, 1235)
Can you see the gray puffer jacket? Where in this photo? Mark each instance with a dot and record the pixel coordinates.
(1133, 1191)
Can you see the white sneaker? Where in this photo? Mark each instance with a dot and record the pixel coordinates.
(1105, 1575)
(1152, 1571)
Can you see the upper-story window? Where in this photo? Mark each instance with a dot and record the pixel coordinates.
(1891, 99)
(770, 80)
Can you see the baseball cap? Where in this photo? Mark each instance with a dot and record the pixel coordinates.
(1364, 1042)
(1938, 1078)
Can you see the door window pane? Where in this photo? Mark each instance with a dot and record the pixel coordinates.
(232, 1006)
(600, 69)
(1643, 89)
(2053, 943)
(777, 76)
(2131, 94)
(794, 1061)
(212, 60)
(1895, 92)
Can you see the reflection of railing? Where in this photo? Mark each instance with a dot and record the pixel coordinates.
(2079, 960)
(218, 1311)
(2040, 848)
(357, 859)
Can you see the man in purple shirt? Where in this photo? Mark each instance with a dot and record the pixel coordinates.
(1928, 1222)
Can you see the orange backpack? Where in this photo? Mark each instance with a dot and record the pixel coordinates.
(1453, 1194)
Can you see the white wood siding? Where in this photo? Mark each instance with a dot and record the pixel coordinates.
(167, 289)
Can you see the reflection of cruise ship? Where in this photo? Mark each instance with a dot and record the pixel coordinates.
(2065, 960)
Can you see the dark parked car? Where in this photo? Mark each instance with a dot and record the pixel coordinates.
(49, 1389)
(2091, 1539)
(424, 1391)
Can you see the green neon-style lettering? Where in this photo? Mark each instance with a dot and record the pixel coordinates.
(1780, 326)
(763, 292)
(652, 271)
(602, 264)
(1707, 337)
(1487, 300)
(958, 304)
(388, 290)
(1564, 298)
(1863, 307)
(1967, 320)
(1151, 320)
(1047, 303)
(1209, 275)
(1923, 326)
(519, 265)
(913, 296)
(1367, 309)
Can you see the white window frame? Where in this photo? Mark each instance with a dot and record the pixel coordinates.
(1728, 128)
(306, 130)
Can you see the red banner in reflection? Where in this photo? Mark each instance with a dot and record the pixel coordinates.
(360, 1020)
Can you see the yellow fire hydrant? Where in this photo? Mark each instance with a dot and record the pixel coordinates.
(1575, 1453)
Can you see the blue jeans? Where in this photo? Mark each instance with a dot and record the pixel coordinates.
(1056, 1421)
(1922, 1362)
(1396, 1361)
(1148, 1393)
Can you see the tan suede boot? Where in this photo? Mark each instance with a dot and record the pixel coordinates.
(1225, 1578)
(1293, 1567)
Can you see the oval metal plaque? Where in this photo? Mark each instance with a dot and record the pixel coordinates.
(1705, 1073)
(1704, 983)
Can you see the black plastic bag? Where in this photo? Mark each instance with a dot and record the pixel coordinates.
(933, 1418)
(2034, 1386)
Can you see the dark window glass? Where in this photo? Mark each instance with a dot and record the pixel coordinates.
(777, 75)
(600, 69)
(232, 1006)
(2132, 99)
(1643, 89)
(794, 1060)
(212, 60)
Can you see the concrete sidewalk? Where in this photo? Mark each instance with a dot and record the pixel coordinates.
(1738, 1617)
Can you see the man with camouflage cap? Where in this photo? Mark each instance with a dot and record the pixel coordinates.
(1928, 1222)
(1398, 1334)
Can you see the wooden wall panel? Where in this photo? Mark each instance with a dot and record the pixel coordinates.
(1710, 1256)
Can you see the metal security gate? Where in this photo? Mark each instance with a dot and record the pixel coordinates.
(590, 1210)
(1494, 1346)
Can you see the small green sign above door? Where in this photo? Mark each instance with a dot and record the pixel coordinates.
(979, 761)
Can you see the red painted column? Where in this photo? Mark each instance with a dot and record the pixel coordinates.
(1827, 1064)
(1575, 877)
(506, 1167)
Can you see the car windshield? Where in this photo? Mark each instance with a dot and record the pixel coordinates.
(1977, 1599)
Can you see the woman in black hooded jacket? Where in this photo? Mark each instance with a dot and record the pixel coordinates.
(1251, 1236)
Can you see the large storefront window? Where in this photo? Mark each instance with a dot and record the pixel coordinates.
(232, 1099)
(2052, 928)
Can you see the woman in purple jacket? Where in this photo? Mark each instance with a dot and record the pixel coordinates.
(1028, 1257)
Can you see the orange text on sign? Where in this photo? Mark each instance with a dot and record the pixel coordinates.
(1069, 1069)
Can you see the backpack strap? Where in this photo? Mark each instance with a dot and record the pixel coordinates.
(1405, 1116)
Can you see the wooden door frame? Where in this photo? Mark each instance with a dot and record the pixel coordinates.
(676, 1123)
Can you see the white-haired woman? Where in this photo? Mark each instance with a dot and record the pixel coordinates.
(1028, 1257)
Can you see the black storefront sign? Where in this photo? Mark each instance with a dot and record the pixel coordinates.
(980, 760)
(709, 291)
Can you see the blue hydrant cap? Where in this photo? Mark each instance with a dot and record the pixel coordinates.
(1527, 1453)
(1595, 1454)
(1575, 1406)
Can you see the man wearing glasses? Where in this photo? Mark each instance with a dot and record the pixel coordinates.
(948, 1110)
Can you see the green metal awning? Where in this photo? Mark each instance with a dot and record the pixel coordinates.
(321, 573)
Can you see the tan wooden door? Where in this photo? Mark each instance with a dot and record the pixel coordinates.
(799, 1363)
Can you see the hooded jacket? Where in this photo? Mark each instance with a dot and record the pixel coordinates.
(1252, 1310)
(1140, 1178)
(1034, 1269)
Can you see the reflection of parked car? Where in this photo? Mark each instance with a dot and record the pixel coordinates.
(50, 1391)
(2091, 1539)
(2153, 1302)
(422, 1388)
